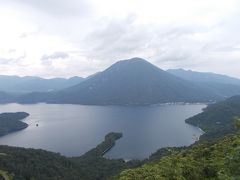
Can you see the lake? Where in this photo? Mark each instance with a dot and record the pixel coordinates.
(74, 129)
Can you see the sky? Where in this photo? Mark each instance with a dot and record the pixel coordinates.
(64, 38)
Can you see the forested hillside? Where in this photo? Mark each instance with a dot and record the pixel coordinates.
(10, 122)
(25, 164)
(218, 160)
(217, 119)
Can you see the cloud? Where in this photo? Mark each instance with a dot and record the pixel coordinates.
(123, 38)
(55, 7)
(10, 61)
(87, 36)
(47, 59)
(55, 55)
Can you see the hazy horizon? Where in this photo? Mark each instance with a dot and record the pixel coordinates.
(64, 77)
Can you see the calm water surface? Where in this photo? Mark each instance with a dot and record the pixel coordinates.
(74, 129)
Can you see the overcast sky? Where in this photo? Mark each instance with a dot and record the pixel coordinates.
(63, 38)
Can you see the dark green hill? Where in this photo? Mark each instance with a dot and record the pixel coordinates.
(10, 122)
(218, 160)
(26, 164)
(217, 119)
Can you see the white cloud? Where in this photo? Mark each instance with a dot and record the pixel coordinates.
(193, 34)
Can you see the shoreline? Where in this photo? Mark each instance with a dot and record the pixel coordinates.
(117, 105)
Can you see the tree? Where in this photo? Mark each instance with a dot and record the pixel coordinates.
(237, 122)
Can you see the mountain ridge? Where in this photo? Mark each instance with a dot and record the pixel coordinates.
(127, 82)
(27, 84)
(219, 84)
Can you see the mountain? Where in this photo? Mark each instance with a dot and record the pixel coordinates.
(16, 84)
(128, 82)
(204, 76)
(5, 97)
(221, 85)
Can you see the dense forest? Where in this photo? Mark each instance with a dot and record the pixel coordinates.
(218, 160)
(96, 166)
(10, 122)
(215, 159)
(217, 119)
(20, 163)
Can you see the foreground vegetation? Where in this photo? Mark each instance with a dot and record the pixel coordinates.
(10, 122)
(218, 160)
(96, 166)
(23, 163)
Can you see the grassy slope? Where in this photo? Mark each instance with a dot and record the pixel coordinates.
(218, 160)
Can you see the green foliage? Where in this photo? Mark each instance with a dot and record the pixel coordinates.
(44, 165)
(219, 160)
(37, 164)
(10, 122)
(237, 123)
(5, 175)
(217, 119)
(96, 166)
(105, 146)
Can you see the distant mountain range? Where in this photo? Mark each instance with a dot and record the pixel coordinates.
(132, 82)
(127, 82)
(27, 84)
(221, 85)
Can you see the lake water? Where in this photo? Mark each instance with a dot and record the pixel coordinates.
(74, 129)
